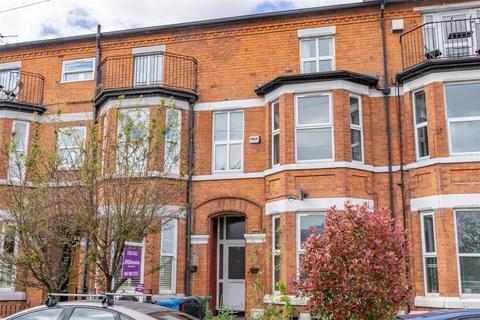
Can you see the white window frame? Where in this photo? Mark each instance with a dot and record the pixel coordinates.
(458, 119)
(15, 252)
(173, 168)
(275, 132)
(228, 142)
(459, 275)
(174, 258)
(418, 126)
(315, 125)
(318, 58)
(64, 73)
(275, 251)
(149, 57)
(358, 127)
(299, 215)
(63, 166)
(425, 254)
(25, 151)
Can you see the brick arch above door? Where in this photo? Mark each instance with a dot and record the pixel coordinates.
(227, 205)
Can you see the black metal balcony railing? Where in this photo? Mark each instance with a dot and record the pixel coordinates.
(451, 39)
(21, 87)
(159, 69)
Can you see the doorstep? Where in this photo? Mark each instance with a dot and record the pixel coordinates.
(447, 302)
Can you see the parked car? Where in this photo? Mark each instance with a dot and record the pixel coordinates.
(94, 310)
(444, 315)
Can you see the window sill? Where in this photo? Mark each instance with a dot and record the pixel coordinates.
(8, 295)
(463, 302)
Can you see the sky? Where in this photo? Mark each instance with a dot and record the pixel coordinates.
(59, 18)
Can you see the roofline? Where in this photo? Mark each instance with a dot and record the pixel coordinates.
(195, 24)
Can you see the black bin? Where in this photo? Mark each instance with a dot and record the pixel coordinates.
(194, 306)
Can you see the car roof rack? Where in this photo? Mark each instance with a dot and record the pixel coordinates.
(106, 298)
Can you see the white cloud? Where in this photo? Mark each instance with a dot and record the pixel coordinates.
(58, 18)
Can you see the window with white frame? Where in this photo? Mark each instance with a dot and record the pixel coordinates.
(172, 141)
(8, 249)
(468, 246)
(228, 141)
(148, 69)
(275, 133)
(168, 256)
(132, 135)
(18, 150)
(314, 128)
(429, 252)
(306, 224)
(276, 251)
(78, 70)
(420, 120)
(356, 128)
(463, 115)
(70, 147)
(317, 54)
(9, 83)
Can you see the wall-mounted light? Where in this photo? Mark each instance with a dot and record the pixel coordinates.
(302, 194)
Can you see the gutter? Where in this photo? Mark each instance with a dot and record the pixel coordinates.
(386, 93)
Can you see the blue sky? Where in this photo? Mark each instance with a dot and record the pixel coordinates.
(57, 18)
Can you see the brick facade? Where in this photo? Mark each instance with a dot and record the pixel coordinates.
(235, 58)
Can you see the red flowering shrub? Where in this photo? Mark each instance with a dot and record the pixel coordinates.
(356, 268)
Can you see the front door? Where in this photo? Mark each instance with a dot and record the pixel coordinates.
(231, 263)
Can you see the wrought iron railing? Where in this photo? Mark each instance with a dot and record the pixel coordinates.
(450, 39)
(21, 87)
(159, 69)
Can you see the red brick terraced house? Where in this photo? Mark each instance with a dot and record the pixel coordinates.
(291, 112)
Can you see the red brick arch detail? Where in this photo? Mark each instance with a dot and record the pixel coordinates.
(215, 207)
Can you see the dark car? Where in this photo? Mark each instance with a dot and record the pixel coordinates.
(444, 315)
(95, 310)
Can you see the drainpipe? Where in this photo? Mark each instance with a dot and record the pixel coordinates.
(386, 93)
(95, 119)
(400, 146)
(191, 121)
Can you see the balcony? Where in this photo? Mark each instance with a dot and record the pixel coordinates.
(441, 43)
(147, 74)
(21, 91)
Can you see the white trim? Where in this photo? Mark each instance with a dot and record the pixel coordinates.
(150, 49)
(451, 76)
(317, 32)
(10, 65)
(199, 238)
(442, 201)
(229, 104)
(65, 62)
(447, 302)
(448, 7)
(140, 102)
(46, 118)
(310, 204)
(13, 296)
(450, 159)
(255, 237)
(319, 86)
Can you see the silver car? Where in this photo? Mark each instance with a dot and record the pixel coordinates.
(94, 310)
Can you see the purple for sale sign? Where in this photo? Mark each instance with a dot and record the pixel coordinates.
(132, 262)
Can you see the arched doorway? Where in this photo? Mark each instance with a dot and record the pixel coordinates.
(230, 291)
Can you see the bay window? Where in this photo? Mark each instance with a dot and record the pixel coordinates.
(70, 141)
(420, 120)
(429, 253)
(172, 141)
(275, 133)
(468, 246)
(8, 248)
(314, 128)
(133, 148)
(18, 150)
(356, 128)
(317, 54)
(228, 141)
(463, 115)
(168, 256)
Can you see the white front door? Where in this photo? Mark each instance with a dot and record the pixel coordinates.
(231, 264)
